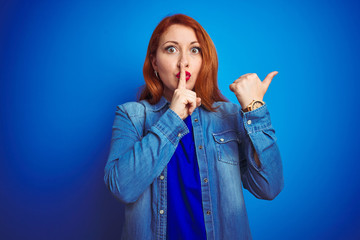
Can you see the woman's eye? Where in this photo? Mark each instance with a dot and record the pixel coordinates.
(195, 50)
(171, 49)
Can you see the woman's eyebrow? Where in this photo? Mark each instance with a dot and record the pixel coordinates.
(178, 43)
(171, 42)
(194, 42)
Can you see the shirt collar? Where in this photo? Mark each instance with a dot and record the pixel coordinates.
(158, 106)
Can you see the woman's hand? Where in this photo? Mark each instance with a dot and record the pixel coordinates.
(249, 87)
(184, 101)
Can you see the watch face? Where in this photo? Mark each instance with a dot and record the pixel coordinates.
(257, 104)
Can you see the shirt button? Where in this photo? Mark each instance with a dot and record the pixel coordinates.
(249, 122)
(162, 177)
(206, 180)
(196, 120)
(208, 212)
(221, 139)
(179, 134)
(200, 147)
(161, 211)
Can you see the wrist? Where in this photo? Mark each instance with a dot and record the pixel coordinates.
(253, 105)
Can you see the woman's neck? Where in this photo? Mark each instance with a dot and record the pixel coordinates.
(168, 94)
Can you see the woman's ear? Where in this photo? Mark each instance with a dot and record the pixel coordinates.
(153, 62)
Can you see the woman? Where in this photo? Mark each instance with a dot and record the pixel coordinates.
(178, 157)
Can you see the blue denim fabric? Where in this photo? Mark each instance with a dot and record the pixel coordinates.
(144, 139)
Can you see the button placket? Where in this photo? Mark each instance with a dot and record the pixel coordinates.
(162, 205)
(203, 169)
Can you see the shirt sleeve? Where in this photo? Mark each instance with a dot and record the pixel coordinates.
(264, 181)
(135, 161)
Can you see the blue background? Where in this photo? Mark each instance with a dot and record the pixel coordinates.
(65, 65)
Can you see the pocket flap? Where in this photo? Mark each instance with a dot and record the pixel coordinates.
(225, 137)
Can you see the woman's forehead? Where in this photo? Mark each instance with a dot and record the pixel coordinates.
(179, 33)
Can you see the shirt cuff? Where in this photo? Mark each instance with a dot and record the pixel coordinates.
(172, 126)
(256, 120)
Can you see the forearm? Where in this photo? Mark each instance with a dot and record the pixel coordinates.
(134, 161)
(262, 175)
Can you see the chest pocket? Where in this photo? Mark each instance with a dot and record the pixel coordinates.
(227, 146)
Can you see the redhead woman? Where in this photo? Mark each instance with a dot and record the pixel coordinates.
(181, 155)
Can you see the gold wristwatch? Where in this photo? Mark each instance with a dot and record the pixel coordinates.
(253, 105)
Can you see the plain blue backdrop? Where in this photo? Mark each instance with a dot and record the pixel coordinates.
(65, 65)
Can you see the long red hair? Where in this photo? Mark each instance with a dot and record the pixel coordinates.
(206, 86)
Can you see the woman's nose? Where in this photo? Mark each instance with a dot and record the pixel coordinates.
(184, 60)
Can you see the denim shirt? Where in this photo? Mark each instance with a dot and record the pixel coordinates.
(144, 139)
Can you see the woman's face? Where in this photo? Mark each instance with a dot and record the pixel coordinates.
(178, 44)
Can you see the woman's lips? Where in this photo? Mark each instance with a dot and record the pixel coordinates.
(188, 75)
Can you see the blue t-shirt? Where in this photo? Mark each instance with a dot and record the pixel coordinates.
(185, 219)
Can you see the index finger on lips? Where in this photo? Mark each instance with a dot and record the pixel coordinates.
(182, 79)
